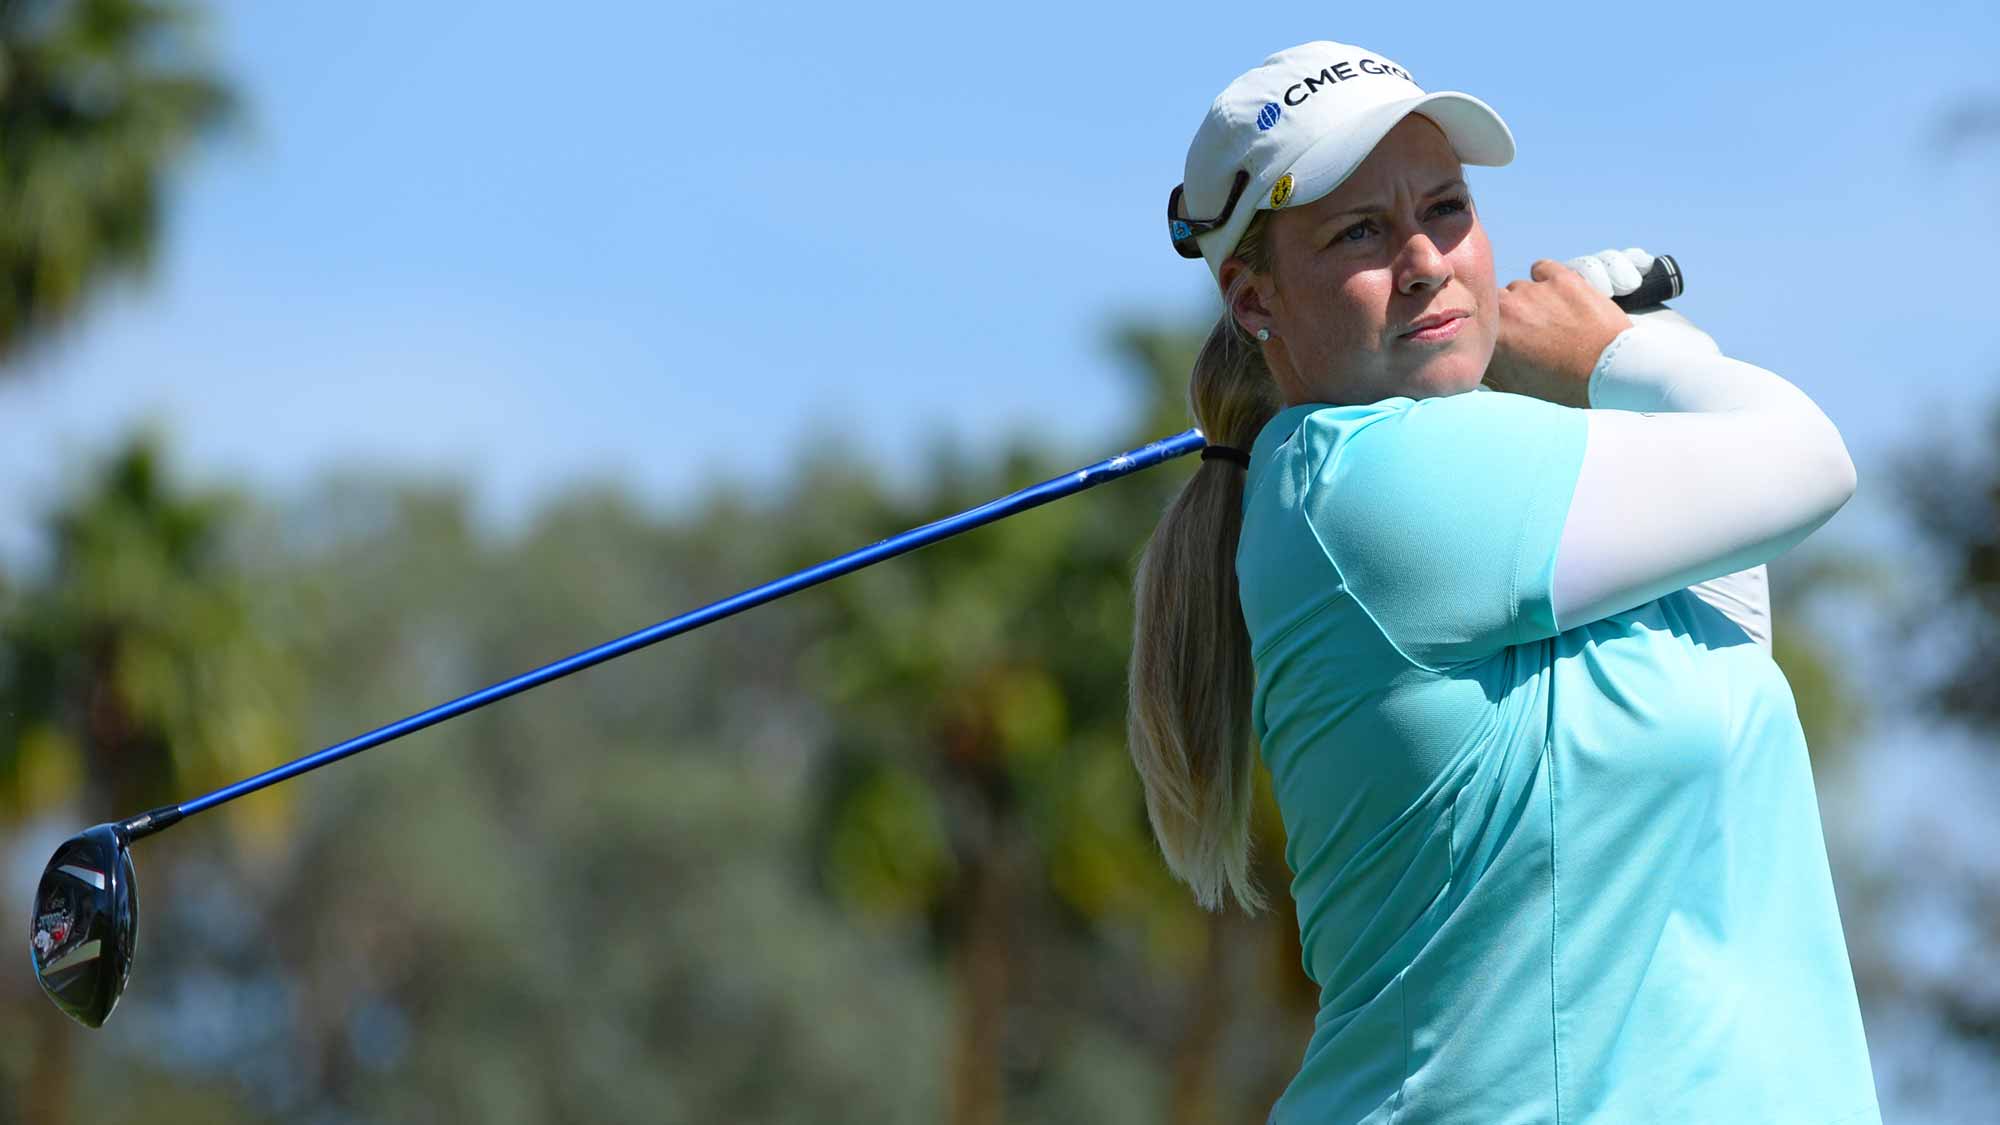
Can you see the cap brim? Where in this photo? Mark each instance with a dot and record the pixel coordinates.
(1476, 133)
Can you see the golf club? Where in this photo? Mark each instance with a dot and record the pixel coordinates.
(86, 914)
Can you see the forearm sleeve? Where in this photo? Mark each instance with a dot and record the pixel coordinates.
(1697, 468)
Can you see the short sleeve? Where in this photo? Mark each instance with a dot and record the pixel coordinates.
(1442, 517)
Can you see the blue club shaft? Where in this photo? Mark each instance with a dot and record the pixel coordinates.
(1055, 488)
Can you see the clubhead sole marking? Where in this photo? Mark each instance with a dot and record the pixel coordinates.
(88, 951)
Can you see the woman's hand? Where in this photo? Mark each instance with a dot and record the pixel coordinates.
(1552, 331)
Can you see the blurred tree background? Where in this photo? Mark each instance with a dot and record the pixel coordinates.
(99, 99)
(873, 853)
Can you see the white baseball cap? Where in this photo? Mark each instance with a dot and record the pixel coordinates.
(1298, 125)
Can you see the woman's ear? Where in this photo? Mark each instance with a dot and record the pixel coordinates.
(1249, 307)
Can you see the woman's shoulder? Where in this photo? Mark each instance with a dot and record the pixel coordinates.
(1312, 429)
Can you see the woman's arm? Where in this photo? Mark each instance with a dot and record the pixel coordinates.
(1697, 470)
(1745, 596)
(1464, 524)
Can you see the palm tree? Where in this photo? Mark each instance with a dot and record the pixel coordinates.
(979, 783)
(141, 651)
(98, 100)
(974, 687)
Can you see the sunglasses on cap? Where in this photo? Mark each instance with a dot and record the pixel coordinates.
(1183, 231)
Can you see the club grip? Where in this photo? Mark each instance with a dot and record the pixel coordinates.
(1662, 283)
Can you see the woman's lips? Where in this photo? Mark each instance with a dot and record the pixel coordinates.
(1437, 332)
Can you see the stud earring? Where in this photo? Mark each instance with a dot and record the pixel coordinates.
(1263, 334)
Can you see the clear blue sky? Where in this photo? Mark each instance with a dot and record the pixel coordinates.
(666, 243)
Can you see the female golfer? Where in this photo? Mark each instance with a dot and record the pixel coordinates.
(1554, 845)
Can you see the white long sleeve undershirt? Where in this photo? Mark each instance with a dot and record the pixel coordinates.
(1698, 469)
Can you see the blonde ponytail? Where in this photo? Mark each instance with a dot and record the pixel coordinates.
(1188, 720)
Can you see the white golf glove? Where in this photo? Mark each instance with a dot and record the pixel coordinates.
(1615, 273)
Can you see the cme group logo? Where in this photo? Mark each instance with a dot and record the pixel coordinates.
(1268, 116)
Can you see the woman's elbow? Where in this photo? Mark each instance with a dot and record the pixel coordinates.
(1837, 472)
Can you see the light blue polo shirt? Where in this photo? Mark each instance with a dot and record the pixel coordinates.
(1541, 875)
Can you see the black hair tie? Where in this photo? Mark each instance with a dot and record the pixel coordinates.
(1226, 453)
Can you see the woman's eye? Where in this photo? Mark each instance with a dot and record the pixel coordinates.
(1455, 206)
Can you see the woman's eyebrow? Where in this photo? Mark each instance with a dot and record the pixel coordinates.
(1378, 208)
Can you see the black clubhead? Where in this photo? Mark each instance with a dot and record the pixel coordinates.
(86, 920)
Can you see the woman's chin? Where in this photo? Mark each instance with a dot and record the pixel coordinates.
(1449, 377)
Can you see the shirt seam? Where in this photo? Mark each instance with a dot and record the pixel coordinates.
(1264, 649)
(1555, 908)
(1312, 477)
(1538, 501)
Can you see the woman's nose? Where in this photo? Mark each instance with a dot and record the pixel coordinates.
(1423, 266)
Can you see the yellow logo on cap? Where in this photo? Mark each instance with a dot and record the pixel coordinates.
(1282, 190)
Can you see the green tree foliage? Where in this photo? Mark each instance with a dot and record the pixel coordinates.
(1952, 497)
(978, 776)
(1914, 835)
(139, 663)
(979, 785)
(581, 903)
(99, 99)
(1831, 710)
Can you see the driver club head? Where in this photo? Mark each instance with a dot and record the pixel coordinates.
(85, 922)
